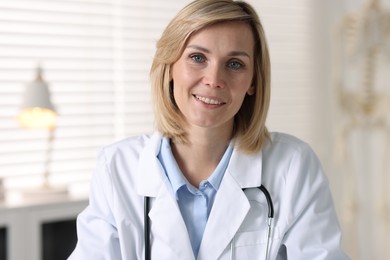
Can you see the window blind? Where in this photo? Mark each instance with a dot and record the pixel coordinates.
(95, 56)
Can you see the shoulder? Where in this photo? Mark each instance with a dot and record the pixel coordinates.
(291, 168)
(118, 163)
(281, 144)
(128, 148)
(286, 140)
(291, 157)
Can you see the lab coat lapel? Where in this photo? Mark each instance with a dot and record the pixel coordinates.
(167, 224)
(231, 204)
(228, 212)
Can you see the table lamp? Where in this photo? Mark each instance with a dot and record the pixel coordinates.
(38, 111)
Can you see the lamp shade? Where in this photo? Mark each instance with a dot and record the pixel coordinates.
(37, 110)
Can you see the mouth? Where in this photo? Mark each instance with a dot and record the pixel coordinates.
(208, 101)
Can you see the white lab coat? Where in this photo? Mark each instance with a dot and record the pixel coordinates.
(305, 224)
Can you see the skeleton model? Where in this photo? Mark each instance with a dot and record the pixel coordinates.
(363, 88)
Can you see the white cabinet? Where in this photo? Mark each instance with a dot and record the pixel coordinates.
(24, 220)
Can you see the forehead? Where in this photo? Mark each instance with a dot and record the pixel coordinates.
(230, 34)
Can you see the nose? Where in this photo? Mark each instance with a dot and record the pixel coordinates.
(214, 76)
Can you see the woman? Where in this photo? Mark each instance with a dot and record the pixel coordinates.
(201, 169)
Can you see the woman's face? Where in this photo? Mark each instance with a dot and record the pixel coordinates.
(213, 75)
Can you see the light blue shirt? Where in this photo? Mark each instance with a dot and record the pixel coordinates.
(195, 203)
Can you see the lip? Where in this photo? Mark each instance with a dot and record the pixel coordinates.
(208, 100)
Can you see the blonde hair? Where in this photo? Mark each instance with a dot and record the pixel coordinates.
(249, 123)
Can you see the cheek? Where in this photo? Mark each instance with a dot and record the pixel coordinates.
(179, 68)
(179, 93)
(179, 75)
(241, 93)
(243, 86)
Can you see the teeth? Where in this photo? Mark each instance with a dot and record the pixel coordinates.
(208, 100)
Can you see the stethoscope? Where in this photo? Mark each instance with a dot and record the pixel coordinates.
(269, 223)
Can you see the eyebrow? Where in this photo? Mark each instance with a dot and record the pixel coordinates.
(233, 53)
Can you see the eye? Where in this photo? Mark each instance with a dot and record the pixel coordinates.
(235, 65)
(197, 58)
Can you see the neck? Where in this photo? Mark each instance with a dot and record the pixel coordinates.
(199, 157)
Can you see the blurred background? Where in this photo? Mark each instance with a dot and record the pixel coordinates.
(89, 60)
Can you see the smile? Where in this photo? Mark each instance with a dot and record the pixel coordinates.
(208, 100)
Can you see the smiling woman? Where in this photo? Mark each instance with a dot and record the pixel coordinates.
(211, 87)
(172, 46)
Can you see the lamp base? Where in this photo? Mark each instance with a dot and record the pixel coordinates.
(45, 192)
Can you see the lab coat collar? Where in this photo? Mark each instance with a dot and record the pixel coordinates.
(150, 173)
(230, 206)
(246, 169)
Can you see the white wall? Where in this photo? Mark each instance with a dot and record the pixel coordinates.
(357, 162)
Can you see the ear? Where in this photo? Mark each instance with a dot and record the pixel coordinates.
(251, 90)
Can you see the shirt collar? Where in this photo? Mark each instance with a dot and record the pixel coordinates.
(175, 175)
(216, 177)
(171, 168)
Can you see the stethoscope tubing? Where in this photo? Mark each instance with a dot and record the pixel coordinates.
(269, 224)
(147, 228)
